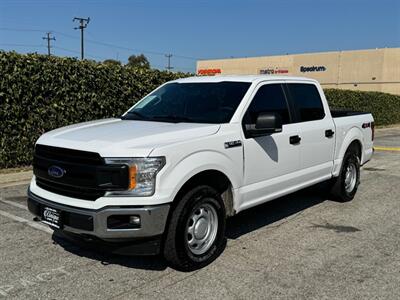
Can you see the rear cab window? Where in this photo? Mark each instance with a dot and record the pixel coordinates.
(307, 101)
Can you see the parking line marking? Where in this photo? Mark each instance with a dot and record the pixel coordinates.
(24, 207)
(380, 148)
(26, 222)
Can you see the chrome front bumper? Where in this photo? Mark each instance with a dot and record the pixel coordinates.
(94, 222)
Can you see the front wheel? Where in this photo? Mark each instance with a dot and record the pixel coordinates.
(345, 186)
(196, 231)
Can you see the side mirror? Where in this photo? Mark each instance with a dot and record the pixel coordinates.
(266, 123)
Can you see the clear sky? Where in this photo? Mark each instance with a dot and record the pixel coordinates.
(205, 29)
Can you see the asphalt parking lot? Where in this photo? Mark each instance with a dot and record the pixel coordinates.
(301, 246)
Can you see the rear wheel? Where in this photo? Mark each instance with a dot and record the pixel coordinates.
(196, 231)
(345, 186)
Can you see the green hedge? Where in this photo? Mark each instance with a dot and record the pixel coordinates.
(384, 107)
(39, 93)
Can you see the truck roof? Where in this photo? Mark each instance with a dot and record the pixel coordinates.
(241, 78)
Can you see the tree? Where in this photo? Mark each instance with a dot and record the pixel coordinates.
(138, 61)
(112, 62)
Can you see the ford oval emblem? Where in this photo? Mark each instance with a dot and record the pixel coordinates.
(55, 171)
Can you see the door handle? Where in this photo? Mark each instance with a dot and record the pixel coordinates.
(295, 139)
(329, 133)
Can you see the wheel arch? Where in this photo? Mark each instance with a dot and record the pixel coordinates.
(215, 179)
(205, 167)
(356, 144)
(353, 138)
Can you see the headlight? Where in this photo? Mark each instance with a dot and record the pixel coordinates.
(142, 175)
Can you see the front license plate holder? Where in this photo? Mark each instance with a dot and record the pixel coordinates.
(52, 217)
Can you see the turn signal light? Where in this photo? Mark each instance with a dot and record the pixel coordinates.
(132, 177)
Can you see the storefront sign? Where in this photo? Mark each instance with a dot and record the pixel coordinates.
(209, 72)
(271, 71)
(304, 69)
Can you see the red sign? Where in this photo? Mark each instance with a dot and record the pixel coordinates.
(209, 71)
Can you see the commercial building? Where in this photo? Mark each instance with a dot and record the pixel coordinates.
(365, 70)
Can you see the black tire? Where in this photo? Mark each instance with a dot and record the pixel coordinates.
(176, 249)
(338, 187)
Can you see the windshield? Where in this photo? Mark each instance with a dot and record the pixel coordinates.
(211, 102)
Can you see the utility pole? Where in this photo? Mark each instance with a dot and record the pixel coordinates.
(82, 25)
(168, 67)
(48, 38)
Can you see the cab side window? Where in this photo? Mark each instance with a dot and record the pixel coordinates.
(307, 100)
(269, 98)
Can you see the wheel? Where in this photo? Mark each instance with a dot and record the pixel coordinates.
(345, 186)
(196, 230)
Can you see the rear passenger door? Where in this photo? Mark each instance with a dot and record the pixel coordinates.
(316, 131)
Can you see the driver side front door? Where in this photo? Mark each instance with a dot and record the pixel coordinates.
(270, 160)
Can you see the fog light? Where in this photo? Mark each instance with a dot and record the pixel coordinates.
(135, 220)
(123, 222)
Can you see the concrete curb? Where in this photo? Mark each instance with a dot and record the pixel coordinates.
(389, 127)
(15, 178)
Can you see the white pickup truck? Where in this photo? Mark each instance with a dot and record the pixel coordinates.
(164, 177)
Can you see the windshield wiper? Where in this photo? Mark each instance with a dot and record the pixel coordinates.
(172, 118)
(141, 116)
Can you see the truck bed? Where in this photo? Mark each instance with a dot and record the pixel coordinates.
(351, 122)
(340, 113)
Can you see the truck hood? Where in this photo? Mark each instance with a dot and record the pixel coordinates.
(124, 138)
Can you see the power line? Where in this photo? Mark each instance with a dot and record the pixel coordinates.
(65, 49)
(137, 50)
(126, 48)
(94, 42)
(87, 54)
(75, 51)
(54, 47)
(21, 29)
(21, 45)
(66, 35)
(48, 38)
(104, 43)
(83, 22)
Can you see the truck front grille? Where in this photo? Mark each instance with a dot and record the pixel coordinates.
(84, 174)
(69, 191)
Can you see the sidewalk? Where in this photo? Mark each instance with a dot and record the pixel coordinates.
(15, 178)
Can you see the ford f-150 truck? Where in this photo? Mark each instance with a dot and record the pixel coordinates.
(163, 177)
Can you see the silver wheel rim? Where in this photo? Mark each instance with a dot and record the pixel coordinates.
(350, 178)
(201, 229)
